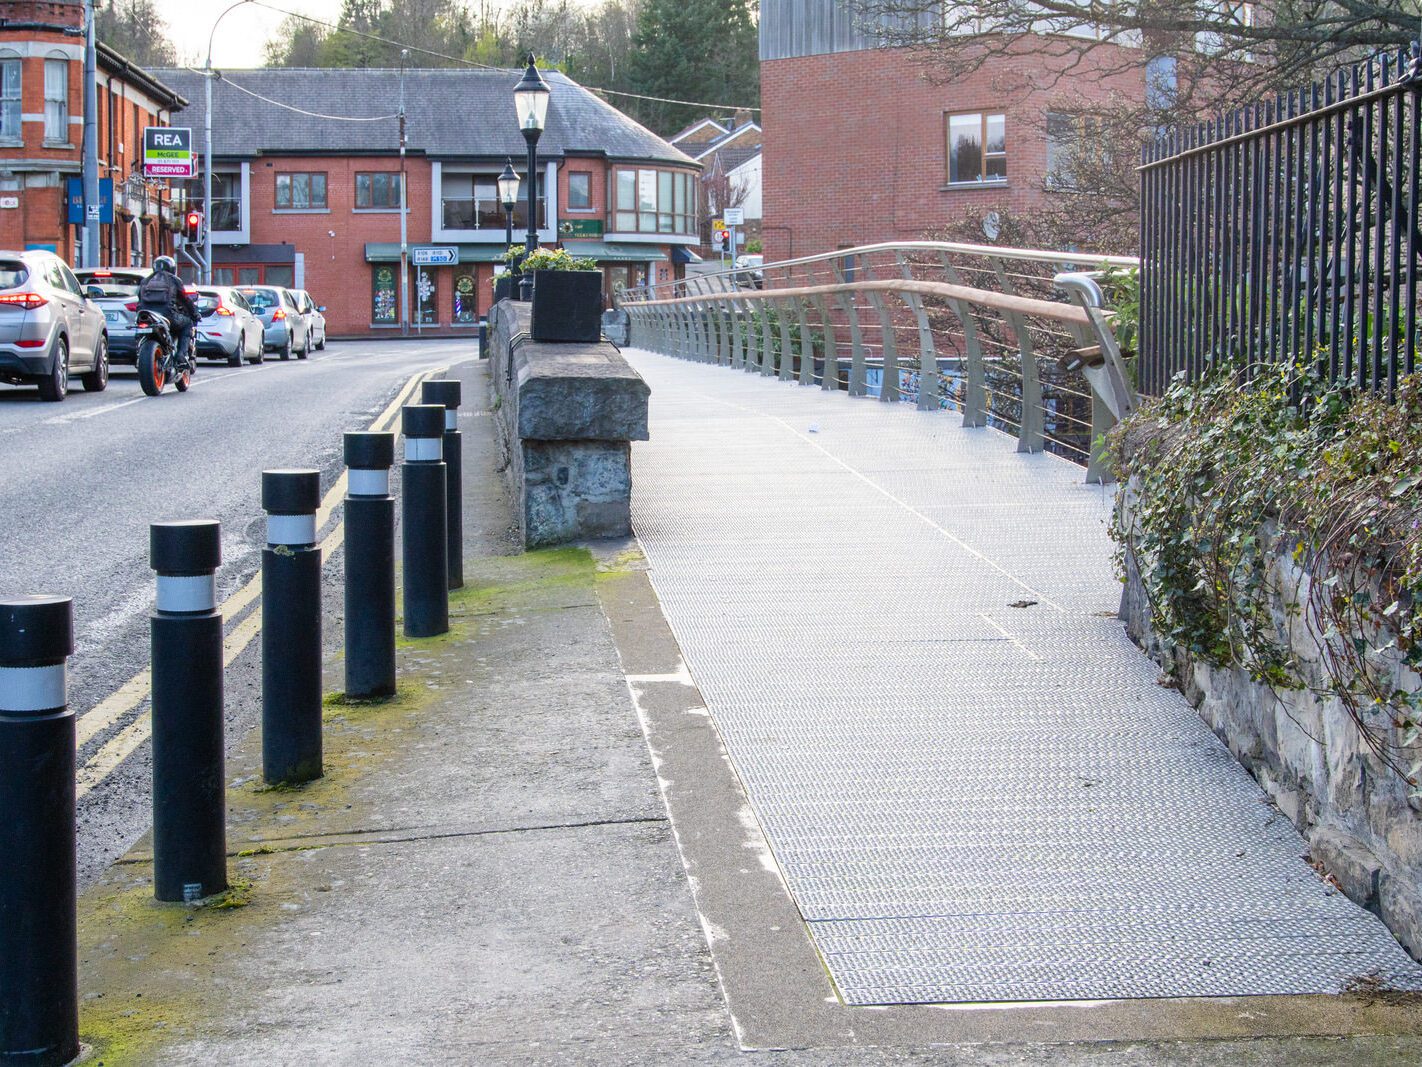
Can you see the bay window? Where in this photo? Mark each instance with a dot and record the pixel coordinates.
(654, 201)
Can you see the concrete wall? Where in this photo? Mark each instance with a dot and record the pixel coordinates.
(567, 414)
(1308, 755)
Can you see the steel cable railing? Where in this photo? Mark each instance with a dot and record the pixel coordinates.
(1014, 339)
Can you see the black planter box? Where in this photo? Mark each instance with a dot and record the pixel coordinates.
(567, 305)
(504, 287)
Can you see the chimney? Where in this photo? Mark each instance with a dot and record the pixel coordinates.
(740, 118)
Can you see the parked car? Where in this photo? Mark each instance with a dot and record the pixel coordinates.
(229, 329)
(119, 303)
(315, 316)
(285, 328)
(750, 272)
(48, 326)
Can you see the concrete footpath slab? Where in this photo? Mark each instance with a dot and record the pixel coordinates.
(489, 874)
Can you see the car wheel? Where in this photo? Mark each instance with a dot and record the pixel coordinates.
(235, 360)
(55, 384)
(321, 344)
(305, 347)
(286, 349)
(97, 380)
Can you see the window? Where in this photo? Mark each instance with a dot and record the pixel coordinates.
(977, 148)
(56, 100)
(470, 201)
(465, 295)
(580, 191)
(10, 98)
(1077, 151)
(283, 276)
(226, 200)
(382, 294)
(296, 192)
(378, 191)
(652, 201)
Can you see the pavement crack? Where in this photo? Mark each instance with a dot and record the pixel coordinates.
(311, 842)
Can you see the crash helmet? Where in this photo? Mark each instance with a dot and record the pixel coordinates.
(166, 263)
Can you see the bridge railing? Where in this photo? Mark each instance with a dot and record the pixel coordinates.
(1020, 340)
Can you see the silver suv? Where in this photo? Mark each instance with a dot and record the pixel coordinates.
(48, 327)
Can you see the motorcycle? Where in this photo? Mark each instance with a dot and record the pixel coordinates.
(158, 360)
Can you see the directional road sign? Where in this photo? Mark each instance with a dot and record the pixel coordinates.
(446, 256)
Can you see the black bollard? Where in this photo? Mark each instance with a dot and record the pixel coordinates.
(189, 803)
(291, 628)
(422, 522)
(446, 391)
(39, 983)
(370, 566)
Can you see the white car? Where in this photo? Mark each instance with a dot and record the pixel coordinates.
(315, 317)
(228, 329)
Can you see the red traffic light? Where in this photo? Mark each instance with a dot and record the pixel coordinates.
(194, 219)
(192, 225)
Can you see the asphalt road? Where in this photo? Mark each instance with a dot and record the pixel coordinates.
(81, 480)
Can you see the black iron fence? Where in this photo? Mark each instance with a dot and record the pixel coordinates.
(1288, 231)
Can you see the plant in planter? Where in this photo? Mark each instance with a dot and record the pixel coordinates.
(567, 296)
(506, 284)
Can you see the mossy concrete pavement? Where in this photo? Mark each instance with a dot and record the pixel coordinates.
(487, 873)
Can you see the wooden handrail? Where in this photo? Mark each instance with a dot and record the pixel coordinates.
(1022, 305)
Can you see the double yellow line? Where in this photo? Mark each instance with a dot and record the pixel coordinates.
(137, 689)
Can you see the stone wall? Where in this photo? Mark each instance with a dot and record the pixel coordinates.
(1307, 753)
(567, 414)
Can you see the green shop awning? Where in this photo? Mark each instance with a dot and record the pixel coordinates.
(613, 252)
(389, 252)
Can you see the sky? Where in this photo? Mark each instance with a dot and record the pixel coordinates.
(242, 34)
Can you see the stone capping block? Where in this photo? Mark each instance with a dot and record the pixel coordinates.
(567, 414)
(578, 392)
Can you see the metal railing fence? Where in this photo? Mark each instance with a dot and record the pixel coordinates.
(1288, 231)
(1011, 338)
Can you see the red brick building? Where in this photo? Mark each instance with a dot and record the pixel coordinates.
(312, 199)
(41, 137)
(860, 147)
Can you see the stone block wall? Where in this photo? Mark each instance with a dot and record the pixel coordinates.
(1362, 827)
(567, 414)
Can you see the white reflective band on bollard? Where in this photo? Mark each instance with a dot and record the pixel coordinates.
(33, 688)
(449, 417)
(368, 482)
(194, 592)
(423, 448)
(291, 529)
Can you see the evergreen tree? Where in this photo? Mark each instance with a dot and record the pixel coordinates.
(703, 50)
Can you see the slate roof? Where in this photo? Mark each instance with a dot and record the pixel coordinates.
(458, 113)
(731, 158)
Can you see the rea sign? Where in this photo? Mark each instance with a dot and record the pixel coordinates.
(168, 152)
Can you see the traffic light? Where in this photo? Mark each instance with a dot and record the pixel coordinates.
(192, 226)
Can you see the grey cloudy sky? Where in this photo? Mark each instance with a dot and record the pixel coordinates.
(242, 33)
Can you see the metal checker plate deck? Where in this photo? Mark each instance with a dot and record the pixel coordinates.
(969, 801)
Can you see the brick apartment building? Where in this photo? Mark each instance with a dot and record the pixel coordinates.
(312, 200)
(41, 138)
(860, 147)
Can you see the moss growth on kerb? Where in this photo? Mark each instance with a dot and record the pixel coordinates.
(156, 973)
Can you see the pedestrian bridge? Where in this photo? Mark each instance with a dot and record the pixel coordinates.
(904, 626)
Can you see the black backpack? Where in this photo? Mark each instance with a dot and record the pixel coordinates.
(157, 288)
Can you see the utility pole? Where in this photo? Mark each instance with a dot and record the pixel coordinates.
(90, 253)
(404, 209)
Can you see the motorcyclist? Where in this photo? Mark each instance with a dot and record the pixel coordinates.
(163, 292)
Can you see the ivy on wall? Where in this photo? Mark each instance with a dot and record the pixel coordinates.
(1266, 486)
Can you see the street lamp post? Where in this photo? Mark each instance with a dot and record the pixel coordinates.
(207, 150)
(508, 196)
(531, 102)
